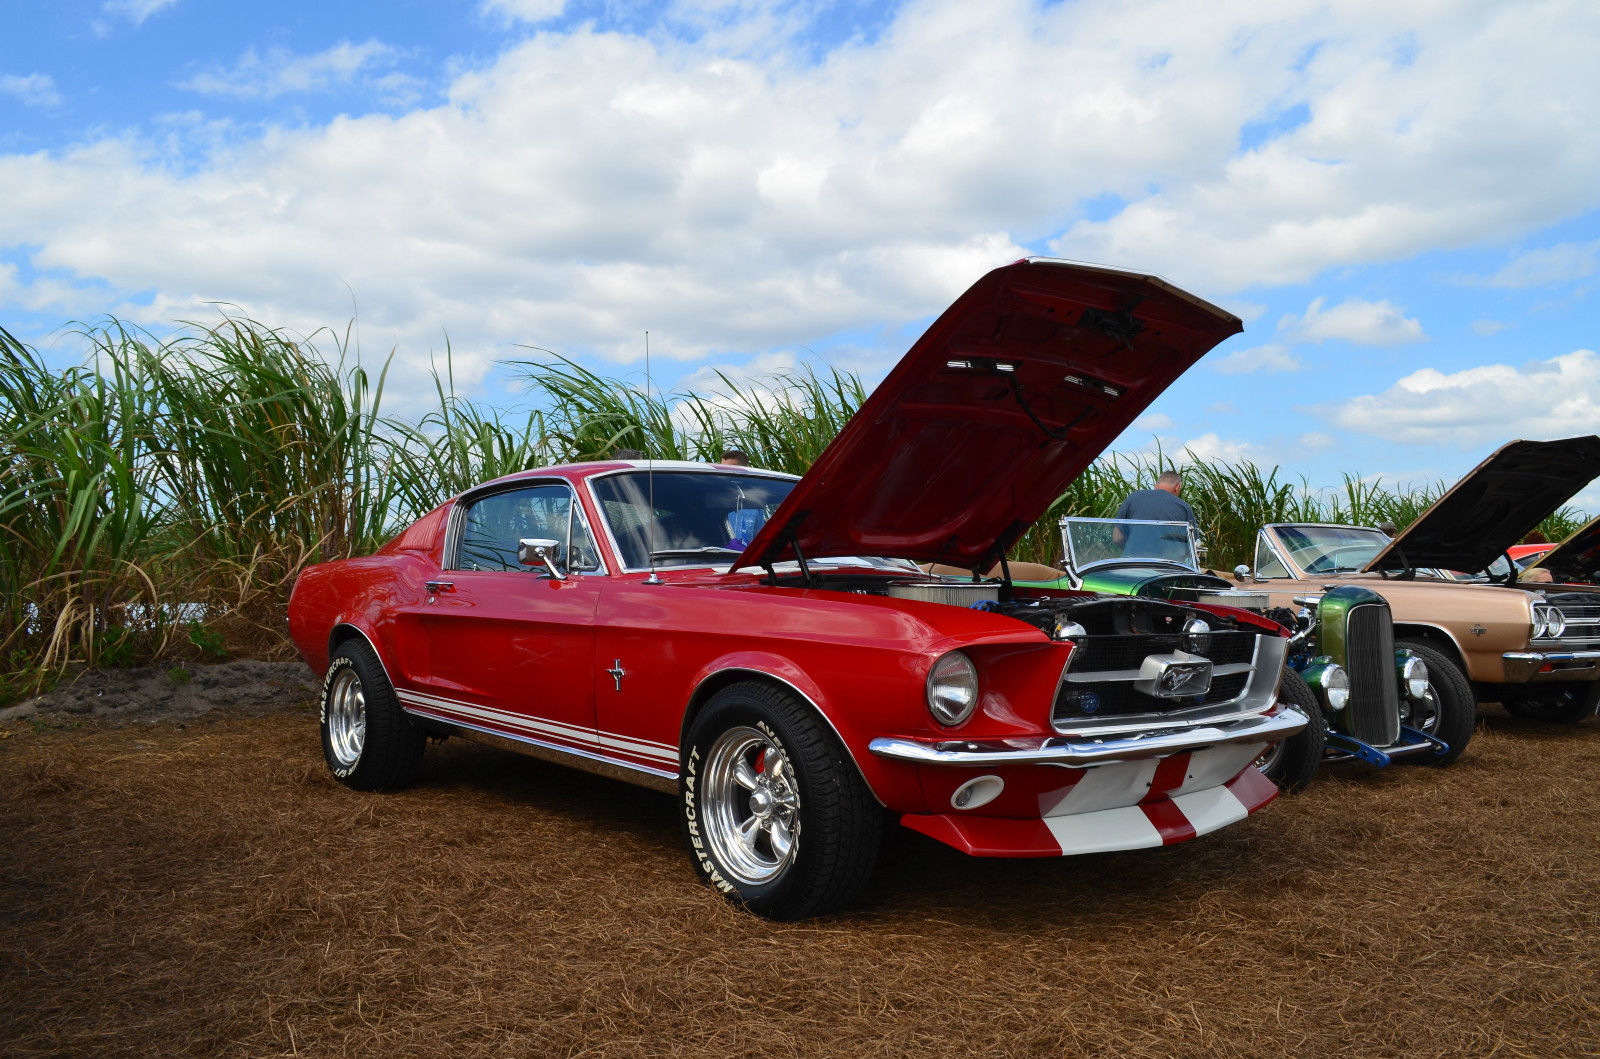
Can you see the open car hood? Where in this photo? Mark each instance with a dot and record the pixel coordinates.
(1575, 560)
(1497, 504)
(1009, 395)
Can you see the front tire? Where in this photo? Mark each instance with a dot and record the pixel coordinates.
(775, 814)
(1290, 763)
(1449, 710)
(1557, 703)
(367, 740)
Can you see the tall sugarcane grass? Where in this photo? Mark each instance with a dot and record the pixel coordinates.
(160, 499)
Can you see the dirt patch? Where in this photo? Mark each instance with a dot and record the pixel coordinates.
(152, 694)
(208, 890)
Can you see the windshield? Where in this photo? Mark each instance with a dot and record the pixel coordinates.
(1096, 540)
(1331, 549)
(698, 517)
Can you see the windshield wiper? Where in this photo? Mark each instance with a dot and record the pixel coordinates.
(678, 553)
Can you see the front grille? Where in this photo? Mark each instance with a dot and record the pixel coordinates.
(1100, 654)
(1077, 702)
(1098, 688)
(1583, 624)
(1373, 715)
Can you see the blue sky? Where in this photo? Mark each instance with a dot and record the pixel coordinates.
(1402, 201)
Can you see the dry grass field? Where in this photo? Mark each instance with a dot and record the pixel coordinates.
(203, 888)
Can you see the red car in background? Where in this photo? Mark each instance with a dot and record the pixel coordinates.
(764, 648)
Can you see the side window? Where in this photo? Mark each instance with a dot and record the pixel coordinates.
(494, 525)
(1267, 564)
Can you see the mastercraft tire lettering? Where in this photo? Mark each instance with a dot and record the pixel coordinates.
(774, 813)
(367, 740)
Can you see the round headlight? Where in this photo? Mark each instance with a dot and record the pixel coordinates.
(1196, 636)
(1415, 673)
(952, 689)
(1555, 622)
(1541, 619)
(1336, 688)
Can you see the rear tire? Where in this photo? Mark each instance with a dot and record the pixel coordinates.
(1449, 711)
(1556, 703)
(775, 814)
(367, 740)
(1291, 762)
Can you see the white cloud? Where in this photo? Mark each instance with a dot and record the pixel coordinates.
(1488, 327)
(1316, 440)
(280, 72)
(1353, 320)
(1554, 398)
(1222, 408)
(1212, 448)
(763, 371)
(731, 195)
(34, 90)
(523, 10)
(1152, 422)
(1270, 359)
(135, 11)
(1547, 266)
(1392, 159)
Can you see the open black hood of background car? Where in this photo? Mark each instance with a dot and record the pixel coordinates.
(1011, 393)
(1576, 560)
(1497, 504)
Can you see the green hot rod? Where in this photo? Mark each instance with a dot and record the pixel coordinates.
(1377, 703)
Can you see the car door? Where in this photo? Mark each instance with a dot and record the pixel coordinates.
(511, 647)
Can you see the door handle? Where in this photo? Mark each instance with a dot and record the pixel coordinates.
(435, 587)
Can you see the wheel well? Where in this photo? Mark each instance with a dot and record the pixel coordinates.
(1435, 639)
(341, 634)
(728, 677)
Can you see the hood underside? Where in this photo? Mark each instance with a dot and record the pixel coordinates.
(1011, 393)
(1497, 504)
(1576, 559)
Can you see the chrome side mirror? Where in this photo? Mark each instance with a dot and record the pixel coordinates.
(532, 551)
(1242, 572)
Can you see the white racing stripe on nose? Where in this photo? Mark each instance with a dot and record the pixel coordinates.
(1103, 787)
(1104, 831)
(1210, 809)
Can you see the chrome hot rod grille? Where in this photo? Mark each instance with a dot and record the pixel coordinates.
(1373, 715)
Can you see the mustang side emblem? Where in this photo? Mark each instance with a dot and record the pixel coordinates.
(1477, 630)
(617, 673)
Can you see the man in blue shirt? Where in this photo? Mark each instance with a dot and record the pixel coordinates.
(1161, 504)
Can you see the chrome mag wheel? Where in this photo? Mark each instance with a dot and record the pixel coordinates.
(347, 718)
(752, 805)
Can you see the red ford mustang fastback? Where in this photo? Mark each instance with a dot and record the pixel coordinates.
(765, 648)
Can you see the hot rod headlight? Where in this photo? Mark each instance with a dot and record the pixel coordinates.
(1331, 682)
(952, 689)
(1415, 673)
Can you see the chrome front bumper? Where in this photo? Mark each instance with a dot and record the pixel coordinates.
(1522, 667)
(1087, 753)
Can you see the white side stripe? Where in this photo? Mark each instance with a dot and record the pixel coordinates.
(585, 736)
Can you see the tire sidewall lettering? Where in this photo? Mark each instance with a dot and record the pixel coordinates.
(335, 667)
